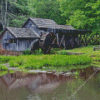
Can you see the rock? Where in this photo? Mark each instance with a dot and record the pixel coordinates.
(68, 74)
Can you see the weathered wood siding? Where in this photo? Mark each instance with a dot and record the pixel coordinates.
(19, 45)
(24, 44)
(30, 24)
(8, 46)
(34, 28)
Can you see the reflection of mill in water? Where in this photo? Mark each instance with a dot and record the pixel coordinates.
(25, 84)
(32, 83)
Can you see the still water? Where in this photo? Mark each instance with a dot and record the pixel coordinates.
(22, 86)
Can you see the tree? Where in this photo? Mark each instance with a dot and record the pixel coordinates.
(49, 9)
(82, 14)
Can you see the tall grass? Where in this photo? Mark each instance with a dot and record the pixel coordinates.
(3, 68)
(62, 52)
(39, 61)
(6, 59)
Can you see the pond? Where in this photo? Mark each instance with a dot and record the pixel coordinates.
(47, 86)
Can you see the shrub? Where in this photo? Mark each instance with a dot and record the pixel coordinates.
(13, 63)
(6, 59)
(62, 52)
(27, 52)
(38, 52)
(17, 62)
(56, 49)
(3, 68)
(52, 51)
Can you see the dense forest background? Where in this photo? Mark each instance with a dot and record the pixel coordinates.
(81, 14)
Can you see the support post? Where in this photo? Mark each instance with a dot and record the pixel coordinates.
(57, 39)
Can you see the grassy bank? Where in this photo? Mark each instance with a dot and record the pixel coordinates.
(48, 61)
(39, 61)
(60, 61)
(95, 55)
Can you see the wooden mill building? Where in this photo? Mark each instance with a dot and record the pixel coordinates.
(40, 31)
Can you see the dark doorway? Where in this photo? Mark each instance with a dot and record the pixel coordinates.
(1, 27)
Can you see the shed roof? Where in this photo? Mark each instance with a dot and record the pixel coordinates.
(44, 23)
(48, 23)
(67, 27)
(22, 32)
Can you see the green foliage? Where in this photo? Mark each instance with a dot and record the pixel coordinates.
(17, 22)
(17, 62)
(33, 8)
(91, 39)
(52, 51)
(62, 52)
(27, 52)
(3, 73)
(82, 14)
(56, 49)
(49, 9)
(5, 59)
(39, 61)
(3, 68)
(38, 52)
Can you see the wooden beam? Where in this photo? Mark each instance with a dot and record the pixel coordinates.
(85, 39)
(57, 39)
(61, 40)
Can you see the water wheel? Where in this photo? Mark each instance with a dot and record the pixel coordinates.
(47, 41)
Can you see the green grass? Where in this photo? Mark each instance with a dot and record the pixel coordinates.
(40, 61)
(62, 52)
(6, 59)
(60, 61)
(87, 50)
(3, 68)
(95, 55)
(3, 73)
(65, 68)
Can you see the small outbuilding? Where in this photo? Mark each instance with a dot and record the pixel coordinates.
(18, 39)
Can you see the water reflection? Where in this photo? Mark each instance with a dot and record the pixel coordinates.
(27, 86)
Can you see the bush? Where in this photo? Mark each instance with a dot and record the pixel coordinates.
(52, 51)
(17, 62)
(27, 52)
(38, 52)
(92, 39)
(62, 52)
(6, 59)
(3, 68)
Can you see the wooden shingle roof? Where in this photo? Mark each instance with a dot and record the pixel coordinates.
(22, 32)
(48, 23)
(67, 27)
(44, 23)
